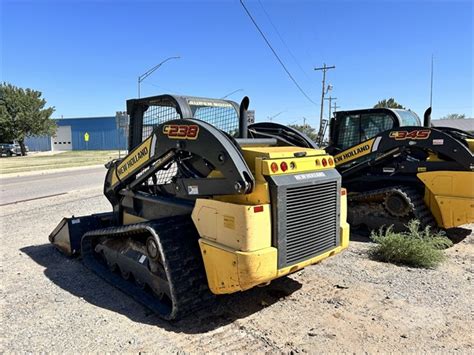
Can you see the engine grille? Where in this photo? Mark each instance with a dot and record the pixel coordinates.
(311, 220)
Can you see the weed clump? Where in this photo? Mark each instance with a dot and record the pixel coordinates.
(416, 247)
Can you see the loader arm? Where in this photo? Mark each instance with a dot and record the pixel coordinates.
(193, 144)
(452, 153)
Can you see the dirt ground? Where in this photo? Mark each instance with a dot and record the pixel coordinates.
(348, 303)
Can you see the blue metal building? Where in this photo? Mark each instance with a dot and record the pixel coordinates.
(38, 144)
(89, 133)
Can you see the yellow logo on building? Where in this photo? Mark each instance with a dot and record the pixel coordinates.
(86, 137)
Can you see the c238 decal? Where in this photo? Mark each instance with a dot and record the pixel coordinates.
(175, 131)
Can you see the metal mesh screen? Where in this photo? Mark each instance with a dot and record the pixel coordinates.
(373, 124)
(349, 132)
(355, 129)
(164, 176)
(223, 118)
(156, 115)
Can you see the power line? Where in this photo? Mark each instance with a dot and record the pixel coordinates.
(282, 40)
(275, 54)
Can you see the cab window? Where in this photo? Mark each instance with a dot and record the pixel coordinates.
(354, 129)
(408, 118)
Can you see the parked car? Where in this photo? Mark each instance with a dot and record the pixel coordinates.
(11, 149)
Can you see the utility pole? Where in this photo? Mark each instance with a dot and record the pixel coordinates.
(334, 108)
(330, 98)
(324, 69)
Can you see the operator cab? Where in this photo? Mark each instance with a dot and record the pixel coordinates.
(349, 128)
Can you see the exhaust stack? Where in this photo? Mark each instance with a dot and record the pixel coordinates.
(427, 118)
(243, 121)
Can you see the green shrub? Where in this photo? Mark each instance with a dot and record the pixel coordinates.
(416, 247)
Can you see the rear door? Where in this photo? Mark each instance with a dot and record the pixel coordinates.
(63, 138)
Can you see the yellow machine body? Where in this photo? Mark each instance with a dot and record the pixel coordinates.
(235, 231)
(470, 143)
(450, 196)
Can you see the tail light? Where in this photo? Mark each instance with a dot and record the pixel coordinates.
(284, 166)
(331, 161)
(274, 167)
(343, 192)
(257, 209)
(317, 162)
(325, 162)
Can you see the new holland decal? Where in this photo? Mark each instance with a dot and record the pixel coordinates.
(175, 131)
(135, 159)
(356, 152)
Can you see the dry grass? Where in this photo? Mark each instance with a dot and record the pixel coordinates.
(416, 247)
(37, 162)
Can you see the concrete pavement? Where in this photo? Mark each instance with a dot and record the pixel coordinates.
(28, 187)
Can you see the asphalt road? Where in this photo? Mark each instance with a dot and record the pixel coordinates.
(24, 188)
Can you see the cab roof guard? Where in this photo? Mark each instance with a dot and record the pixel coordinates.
(147, 112)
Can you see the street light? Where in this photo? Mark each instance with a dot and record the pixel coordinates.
(231, 93)
(149, 72)
(274, 116)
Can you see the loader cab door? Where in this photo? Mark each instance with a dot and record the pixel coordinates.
(350, 128)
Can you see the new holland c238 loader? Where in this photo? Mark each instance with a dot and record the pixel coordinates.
(204, 204)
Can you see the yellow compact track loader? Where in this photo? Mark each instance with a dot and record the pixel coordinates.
(205, 204)
(397, 169)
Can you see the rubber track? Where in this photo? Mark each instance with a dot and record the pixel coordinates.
(178, 241)
(419, 210)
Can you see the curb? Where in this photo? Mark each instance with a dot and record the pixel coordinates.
(50, 171)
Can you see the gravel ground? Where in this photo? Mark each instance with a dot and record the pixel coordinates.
(348, 303)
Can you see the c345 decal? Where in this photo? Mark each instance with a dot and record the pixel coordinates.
(178, 131)
(416, 134)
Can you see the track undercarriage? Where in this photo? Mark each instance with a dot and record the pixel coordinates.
(394, 205)
(148, 262)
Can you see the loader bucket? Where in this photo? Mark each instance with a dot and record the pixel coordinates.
(450, 196)
(68, 233)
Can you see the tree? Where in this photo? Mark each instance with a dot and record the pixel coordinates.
(390, 103)
(23, 114)
(454, 116)
(306, 129)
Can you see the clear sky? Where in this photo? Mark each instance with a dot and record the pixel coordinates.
(85, 56)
